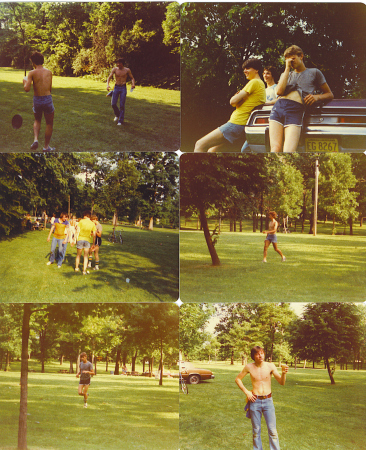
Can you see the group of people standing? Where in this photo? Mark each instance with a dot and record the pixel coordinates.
(86, 234)
(297, 89)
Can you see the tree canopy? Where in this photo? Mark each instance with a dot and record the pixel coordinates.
(86, 38)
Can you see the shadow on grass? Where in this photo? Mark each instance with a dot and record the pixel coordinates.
(84, 120)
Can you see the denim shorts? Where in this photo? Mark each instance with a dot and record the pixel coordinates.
(232, 132)
(271, 238)
(287, 112)
(83, 244)
(42, 104)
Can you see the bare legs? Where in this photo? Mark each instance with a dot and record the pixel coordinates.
(212, 142)
(77, 260)
(277, 133)
(83, 390)
(49, 128)
(276, 249)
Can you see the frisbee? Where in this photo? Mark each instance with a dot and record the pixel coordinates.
(17, 121)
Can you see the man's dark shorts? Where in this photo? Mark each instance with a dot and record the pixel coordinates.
(287, 112)
(85, 381)
(42, 104)
(98, 241)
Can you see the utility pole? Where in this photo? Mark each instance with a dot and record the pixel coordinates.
(316, 197)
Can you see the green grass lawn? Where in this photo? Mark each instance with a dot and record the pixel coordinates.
(311, 413)
(317, 269)
(149, 259)
(84, 117)
(123, 412)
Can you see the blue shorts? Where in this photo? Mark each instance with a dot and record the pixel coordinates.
(232, 132)
(42, 104)
(82, 244)
(287, 112)
(271, 238)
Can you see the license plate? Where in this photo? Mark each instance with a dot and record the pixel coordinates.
(321, 145)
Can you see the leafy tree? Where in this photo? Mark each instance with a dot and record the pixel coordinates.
(327, 330)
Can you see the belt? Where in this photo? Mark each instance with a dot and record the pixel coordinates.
(262, 397)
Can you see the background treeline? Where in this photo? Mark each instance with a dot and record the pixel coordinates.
(120, 334)
(132, 185)
(85, 38)
(217, 37)
(333, 334)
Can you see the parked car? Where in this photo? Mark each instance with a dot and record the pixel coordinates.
(193, 375)
(333, 126)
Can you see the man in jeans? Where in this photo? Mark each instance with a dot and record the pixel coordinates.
(121, 74)
(59, 238)
(260, 398)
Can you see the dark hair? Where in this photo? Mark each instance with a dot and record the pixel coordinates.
(82, 354)
(94, 217)
(252, 63)
(256, 350)
(87, 214)
(273, 71)
(63, 214)
(121, 60)
(37, 58)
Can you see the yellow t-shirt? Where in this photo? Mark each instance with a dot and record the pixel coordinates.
(257, 95)
(86, 227)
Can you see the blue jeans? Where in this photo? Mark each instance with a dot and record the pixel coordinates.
(122, 92)
(266, 408)
(61, 250)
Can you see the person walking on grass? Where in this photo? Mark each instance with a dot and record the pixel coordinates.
(259, 400)
(85, 371)
(271, 236)
(86, 229)
(121, 74)
(42, 99)
(98, 243)
(60, 227)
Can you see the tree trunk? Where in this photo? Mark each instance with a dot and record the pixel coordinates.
(232, 357)
(118, 357)
(161, 363)
(151, 224)
(7, 363)
(71, 370)
(206, 232)
(329, 371)
(22, 430)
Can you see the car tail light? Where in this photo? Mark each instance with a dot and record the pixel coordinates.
(352, 119)
(260, 121)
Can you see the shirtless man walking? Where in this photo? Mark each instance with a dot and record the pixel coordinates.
(271, 236)
(260, 398)
(121, 74)
(42, 99)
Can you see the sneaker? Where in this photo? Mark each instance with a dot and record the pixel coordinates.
(77, 269)
(49, 149)
(96, 268)
(49, 263)
(89, 264)
(85, 405)
(116, 119)
(119, 123)
(284, 259)
(34, 146)
(85, 273)
(59, 267)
